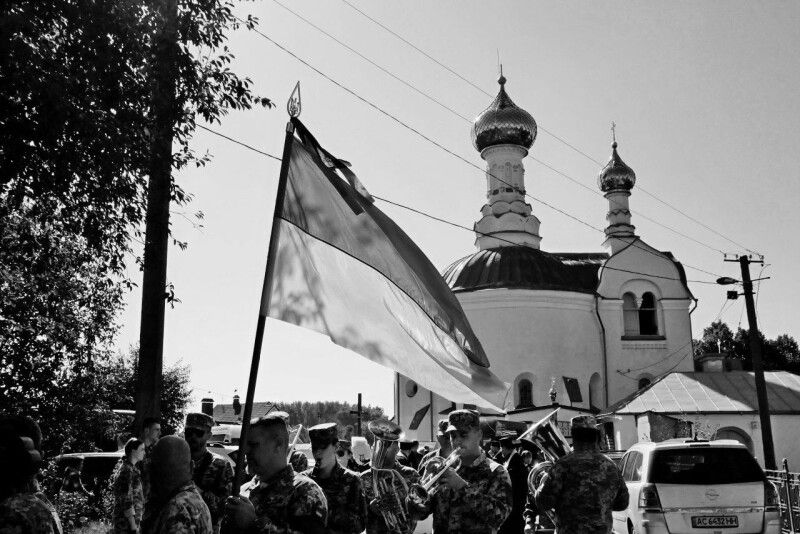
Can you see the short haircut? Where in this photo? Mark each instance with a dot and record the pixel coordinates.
(22, 426)
(585, 435)
(274, 424)
(150, 421)
(132, 444)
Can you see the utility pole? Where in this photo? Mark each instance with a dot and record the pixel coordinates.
(151, 332)
(758, 364)
(358, 414)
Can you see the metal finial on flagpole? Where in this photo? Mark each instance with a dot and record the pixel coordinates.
(294, 105)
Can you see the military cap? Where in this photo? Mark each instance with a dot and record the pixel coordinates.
(385, 430)
(463, 420)
(345, 444)
(441, 428)
(406, 444)
(199, 420)
(507, 440)
(324, 433)
(494, 443)
(583, 421)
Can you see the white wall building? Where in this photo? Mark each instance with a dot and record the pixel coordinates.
(578, 329)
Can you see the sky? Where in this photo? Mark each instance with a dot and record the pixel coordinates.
(704, 96)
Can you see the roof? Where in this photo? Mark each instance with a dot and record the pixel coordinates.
(521, 267)
(720, 392)
(224, 413)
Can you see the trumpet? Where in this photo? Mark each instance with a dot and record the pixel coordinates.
(419, 493)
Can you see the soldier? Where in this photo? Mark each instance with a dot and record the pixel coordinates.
(21, 509)
(347, 512)
(518, 474)
(277, 499)
(126, 484)
(582, 487)
(494, 451)
(404, 455)
(443, 451)
(151, 431)
(299, 461)
(477, 497)
(386, 484)
(212, 475)
(175, 506)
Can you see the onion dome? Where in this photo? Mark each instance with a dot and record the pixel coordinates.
(503, 123)
(524, 267)
(616, 175)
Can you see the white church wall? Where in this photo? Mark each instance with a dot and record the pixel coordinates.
(633, 357)
(538, 335)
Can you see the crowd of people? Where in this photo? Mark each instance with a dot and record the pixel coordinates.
(174, 484)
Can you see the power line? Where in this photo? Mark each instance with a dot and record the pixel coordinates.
(560, 139)
(469, 121)
(444, 148)
(451, 223)
(231, 139)
(671, 354)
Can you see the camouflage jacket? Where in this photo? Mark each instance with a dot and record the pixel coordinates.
(126, 485)
(583, 488)
(299, 461)
(396, 496)
(213, 477)
(480, 507)
(25, 513)
(287, 503)
(144, 470)
(184, 513)
(347, 509)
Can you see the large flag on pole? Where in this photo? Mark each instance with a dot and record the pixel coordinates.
(345, 269)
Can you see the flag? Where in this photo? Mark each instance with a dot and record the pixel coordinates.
(345, 269)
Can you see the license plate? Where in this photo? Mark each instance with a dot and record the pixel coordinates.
(715, 521)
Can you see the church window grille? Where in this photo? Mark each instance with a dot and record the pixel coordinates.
(573, 389)
(525, 392)
(630, 314)
(648, 320)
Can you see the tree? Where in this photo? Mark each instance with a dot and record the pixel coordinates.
(75, 128)
(781, 353)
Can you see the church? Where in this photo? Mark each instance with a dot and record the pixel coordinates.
(576, 330)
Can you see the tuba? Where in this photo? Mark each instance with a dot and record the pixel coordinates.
(547, 437)
(389, 499)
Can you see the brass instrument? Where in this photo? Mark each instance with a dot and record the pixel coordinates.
(389, 499)
(419, 493)
(547, 437)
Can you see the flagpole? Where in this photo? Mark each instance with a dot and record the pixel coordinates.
(293, 108)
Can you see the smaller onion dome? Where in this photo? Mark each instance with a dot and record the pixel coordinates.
(503, 123)
(616, 175)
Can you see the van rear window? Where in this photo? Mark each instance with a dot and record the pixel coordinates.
(705, 466)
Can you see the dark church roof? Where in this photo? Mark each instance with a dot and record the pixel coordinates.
(522, 267)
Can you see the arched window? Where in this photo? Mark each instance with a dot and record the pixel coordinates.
(525, 392)
(648, 320)
(731, 432)
(595, 392)
(630, 314)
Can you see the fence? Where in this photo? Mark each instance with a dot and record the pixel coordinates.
(789, 493)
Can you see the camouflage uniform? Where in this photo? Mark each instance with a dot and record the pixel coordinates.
(126, 485)
(375, 522)
(144, 470)
(347, 509)
(583, 488)
(299, 461)
(25, 513)
(213, 477)
(480, 507)
(184, 513)
(284, 501)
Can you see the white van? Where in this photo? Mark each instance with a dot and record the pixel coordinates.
(689, 487)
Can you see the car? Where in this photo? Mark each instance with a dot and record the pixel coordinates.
(696, 486)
